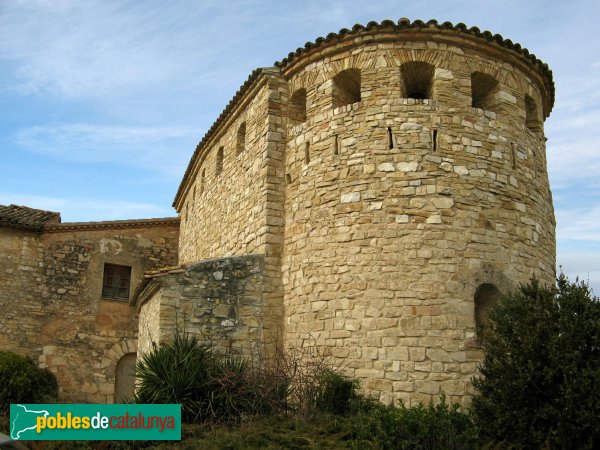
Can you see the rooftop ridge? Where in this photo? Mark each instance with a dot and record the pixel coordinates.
(26, 218)
(111, 224)
(405, 24)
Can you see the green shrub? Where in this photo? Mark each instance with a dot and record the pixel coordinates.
(24, 382)
(179, 372)
(433, 427)
(540, 378)
(209, 387)
(336, 394)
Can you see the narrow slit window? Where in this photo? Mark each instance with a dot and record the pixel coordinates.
(202, 181)
(513, 155)
(288, 178)
(307, 153)
(390, 137)
(241, 138)
(219, 162)
(434, 140)
(115, 284)
(336, 145)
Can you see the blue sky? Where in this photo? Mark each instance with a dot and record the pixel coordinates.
(102, 102)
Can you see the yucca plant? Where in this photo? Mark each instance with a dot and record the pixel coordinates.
(179, 372)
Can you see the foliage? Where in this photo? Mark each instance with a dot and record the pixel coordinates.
(293, 401)
(433, 427)
(179, 372)
(209, 387)
(540, 378)
(24, 382)
(336, 394)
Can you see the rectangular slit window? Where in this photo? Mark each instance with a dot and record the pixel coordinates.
(434, 140)
(116, 281)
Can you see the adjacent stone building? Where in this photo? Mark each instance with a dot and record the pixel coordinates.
(65, 290)
(371, 195)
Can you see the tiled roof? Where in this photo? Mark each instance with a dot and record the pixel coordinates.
(386, 25)
(22, 217)
(147, 278)
(405, 24)
(241, 91)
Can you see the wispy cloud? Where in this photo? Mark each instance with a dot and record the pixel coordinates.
(164, 150)
(582, 265)
(96, 48)
(579, 224)
(87, 209)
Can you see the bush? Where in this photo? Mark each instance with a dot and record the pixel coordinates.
(209, 387)
(178, 372)
(433, 427)
(336, 394)
(24, 382)
(539, 383)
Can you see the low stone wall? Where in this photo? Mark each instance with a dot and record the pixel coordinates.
(218, 300)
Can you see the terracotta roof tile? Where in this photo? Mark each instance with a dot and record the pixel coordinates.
(23, 217)
(402, 25)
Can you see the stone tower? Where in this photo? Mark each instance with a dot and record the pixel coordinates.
(392, 178)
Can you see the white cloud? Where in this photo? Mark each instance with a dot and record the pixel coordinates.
(584, 265)
(165, 150)
(87, 209)
(580, 224)
(98, 49)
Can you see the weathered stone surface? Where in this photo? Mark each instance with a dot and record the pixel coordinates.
(52, 305)
(226, 312)
(376, 214)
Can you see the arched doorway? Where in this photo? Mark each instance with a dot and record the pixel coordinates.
(125, 378)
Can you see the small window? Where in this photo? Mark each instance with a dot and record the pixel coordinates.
(241, 138)
(298, 107)
(483, 90)
(531, 115)
(346, 88)
(219, 163)
(116, 281)
(486, 297)
(417, 80)
(202, 180)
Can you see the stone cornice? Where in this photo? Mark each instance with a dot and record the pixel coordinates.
(419, 30)
(111, 225)
(387, 29)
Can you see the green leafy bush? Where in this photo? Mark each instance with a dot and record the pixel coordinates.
(209, 387)
(421, 427)
(540, 378)
(24, 382)
(178, 372)
(336, 394)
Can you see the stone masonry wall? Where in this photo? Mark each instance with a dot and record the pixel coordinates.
(236, 208)
(219, 300)
(403, 208)
(52, 302)
(380, 219)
